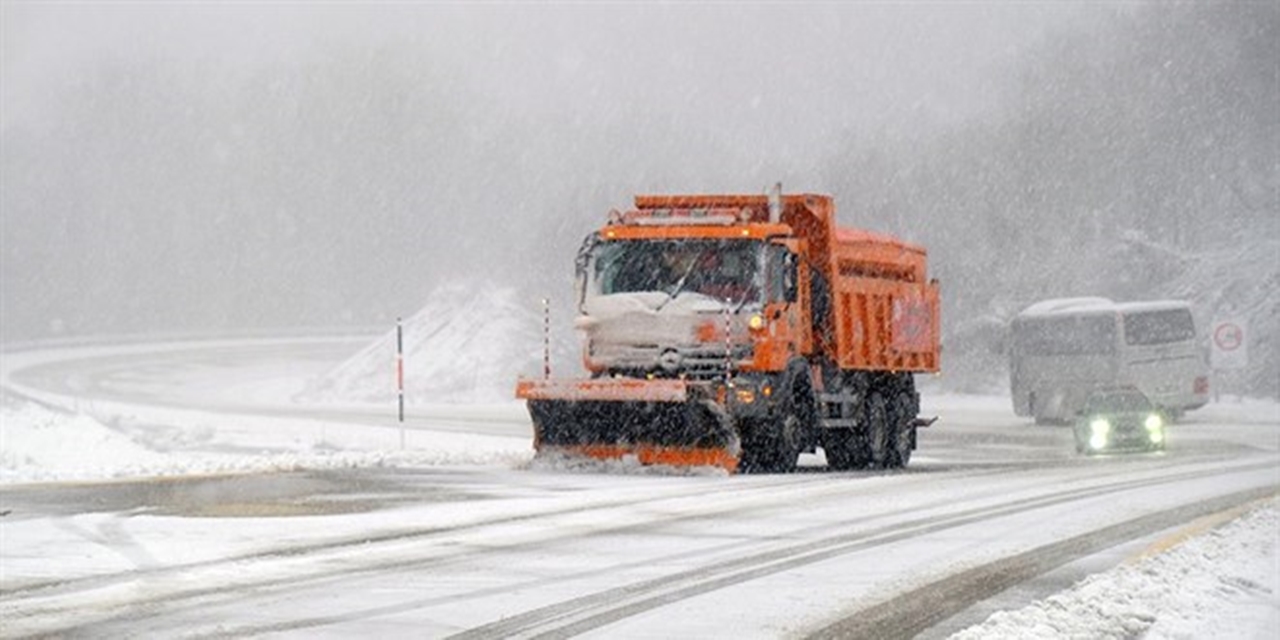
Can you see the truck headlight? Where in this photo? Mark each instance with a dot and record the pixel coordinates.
(755, 322)
(1154, 422)
(1100, 427)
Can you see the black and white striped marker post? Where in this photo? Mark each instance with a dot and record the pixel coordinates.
(400, 375)
(728, 348)
(546, 338)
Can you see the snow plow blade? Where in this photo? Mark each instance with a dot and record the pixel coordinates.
(667, 422)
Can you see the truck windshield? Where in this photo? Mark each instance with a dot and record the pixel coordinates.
(722, 269)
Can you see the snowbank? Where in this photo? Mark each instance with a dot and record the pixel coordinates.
(468, 344)
(1223, 584)
(38, 444)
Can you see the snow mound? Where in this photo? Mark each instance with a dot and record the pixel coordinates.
(38, 444)
(1222, 584)
(467, 345)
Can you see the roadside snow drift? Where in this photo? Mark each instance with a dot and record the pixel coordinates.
(1222, 584)
(38, 444)
(467, 345)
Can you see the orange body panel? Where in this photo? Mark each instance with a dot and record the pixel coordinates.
(651, 454)
(691, 232)
(611, 389)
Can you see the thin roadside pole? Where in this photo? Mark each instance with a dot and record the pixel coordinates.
(546, 338)
(728, 347)
(400, 375)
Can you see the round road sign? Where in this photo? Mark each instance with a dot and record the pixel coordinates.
(1228, 336)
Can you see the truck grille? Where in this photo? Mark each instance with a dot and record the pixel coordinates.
(704, 361)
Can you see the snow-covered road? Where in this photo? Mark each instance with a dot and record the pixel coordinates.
(360, 536)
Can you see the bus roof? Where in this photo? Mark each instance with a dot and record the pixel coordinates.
(1152, 305)
(1068, 306)
(1077, 306)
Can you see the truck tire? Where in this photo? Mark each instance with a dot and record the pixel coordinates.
(773, 446)
(902, 434)
(770, 446)
(879, 430)
(845, 448)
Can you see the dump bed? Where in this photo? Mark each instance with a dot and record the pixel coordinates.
(884, 312)
(884, 309)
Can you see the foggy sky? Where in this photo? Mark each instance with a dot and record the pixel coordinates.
(740, 69)
(193, 166)
(532, 117)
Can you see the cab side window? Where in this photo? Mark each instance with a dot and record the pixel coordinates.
(780, 275)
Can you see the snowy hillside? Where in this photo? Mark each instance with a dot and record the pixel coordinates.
(1240, 281)
(466, 345)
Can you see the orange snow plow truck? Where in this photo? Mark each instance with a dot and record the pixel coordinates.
(740, 331)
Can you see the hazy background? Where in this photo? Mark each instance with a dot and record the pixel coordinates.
(197, 167)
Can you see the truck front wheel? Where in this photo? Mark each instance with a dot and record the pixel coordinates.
(773, 445)
(846, 447)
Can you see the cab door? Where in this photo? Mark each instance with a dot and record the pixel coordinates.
(783, 330)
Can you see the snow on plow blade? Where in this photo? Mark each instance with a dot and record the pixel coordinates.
(668, 422)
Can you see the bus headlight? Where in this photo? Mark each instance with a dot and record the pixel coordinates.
(1100, 427)
(1154, 422)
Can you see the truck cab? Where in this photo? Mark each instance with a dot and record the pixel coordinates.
(691, 301)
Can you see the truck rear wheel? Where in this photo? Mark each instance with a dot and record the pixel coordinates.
(879, 430)
(902, 435)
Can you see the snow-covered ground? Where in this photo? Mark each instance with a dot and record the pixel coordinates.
(40, 444)
(1220, 580)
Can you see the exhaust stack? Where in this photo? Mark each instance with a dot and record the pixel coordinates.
(775, 203)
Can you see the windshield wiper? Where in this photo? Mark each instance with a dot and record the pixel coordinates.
(675, 291)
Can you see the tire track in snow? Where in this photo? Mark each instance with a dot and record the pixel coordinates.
(599, 609)
(171, 589)
(911, 613)
(582, 614)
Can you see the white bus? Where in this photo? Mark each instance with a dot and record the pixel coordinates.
(1062, 350)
